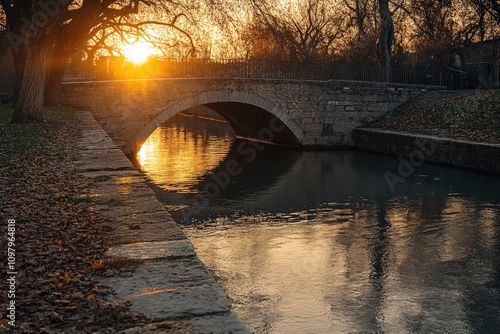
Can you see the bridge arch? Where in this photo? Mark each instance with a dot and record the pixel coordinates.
(250, 115)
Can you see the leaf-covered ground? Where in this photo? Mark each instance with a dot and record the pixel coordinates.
(471, 115)
(59, 239)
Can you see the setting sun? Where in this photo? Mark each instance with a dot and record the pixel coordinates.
(138, 52)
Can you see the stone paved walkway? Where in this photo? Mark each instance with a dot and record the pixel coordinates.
(170, 282)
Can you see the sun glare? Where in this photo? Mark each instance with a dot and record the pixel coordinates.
(138, 52)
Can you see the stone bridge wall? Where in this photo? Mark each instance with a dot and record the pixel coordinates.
(315, 113)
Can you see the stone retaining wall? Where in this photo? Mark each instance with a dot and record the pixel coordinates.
(461, 153)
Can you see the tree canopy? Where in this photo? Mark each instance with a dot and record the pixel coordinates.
(44, 35)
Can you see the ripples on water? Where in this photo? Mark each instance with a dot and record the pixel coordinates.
(316, 242)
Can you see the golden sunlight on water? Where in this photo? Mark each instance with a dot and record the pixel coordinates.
(270, 268)
(176, 156)
(349, 277)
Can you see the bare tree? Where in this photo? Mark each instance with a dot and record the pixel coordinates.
(44, 35)
(358, 12)
(492, 6)
(481, 20)
(386, 37)
(441, 26)
(432, 36)
(362, 28)
(300, 31)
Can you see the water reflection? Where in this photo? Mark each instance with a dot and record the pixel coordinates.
(316, 242)
(183, 150)
(391, 272)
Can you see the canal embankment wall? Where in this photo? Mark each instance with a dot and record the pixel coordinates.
(420, 148)
(168, 283)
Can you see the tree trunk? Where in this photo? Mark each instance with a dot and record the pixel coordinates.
(19, 58)
(386, 38)
(31, 91)
(55, 70)
(55, 75)
(495, 6)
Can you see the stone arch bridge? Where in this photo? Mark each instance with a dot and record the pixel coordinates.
(305, 113)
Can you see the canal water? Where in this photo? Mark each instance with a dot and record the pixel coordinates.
(318, 242)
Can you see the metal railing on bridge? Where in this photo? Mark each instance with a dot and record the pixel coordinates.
(175, 68)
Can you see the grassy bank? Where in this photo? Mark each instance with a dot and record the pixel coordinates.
(470, 115)
(21, 139)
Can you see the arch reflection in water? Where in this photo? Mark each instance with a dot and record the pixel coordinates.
(182, 150)
(316, 242)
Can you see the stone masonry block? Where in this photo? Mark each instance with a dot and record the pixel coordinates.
(314, 128)
(238, 96)
(370, 98)
(307, 120)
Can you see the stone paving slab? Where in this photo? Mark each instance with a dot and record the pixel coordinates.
(124, 215)
(170, 285)
(107, 162)
(138, 189)
(153, 250)
(96, 153)
(171, 289)
(226, 323)
(126, 208)
(148, 231)
(118, 176)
